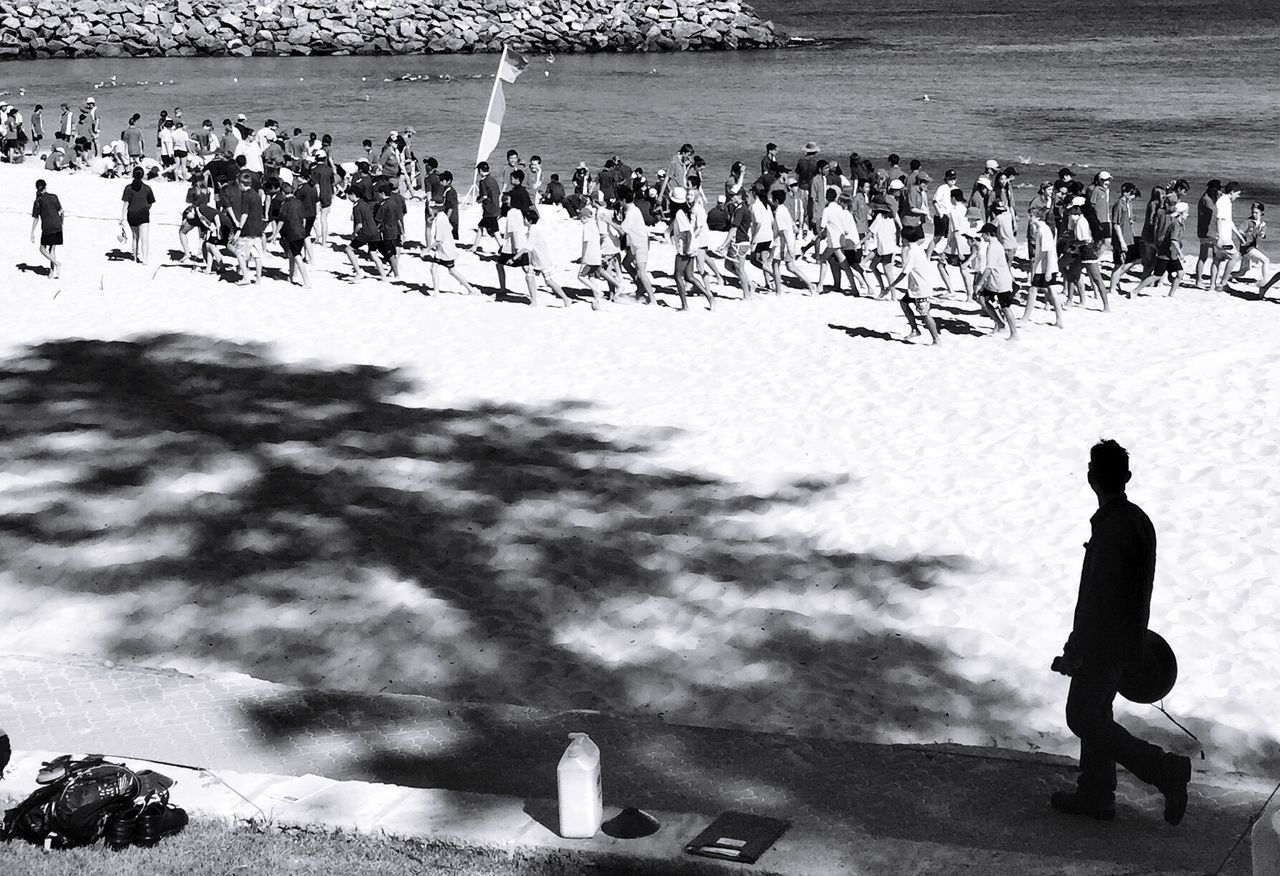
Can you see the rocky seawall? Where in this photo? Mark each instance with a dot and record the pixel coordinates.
(184, 28)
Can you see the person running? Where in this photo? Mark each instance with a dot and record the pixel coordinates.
(489, 197)
(1107, 634)
(1226, 236)
(1168, 238)
(46, 213)
(832, 228)
(995, 288)
(290, 228)
(635, 236)
(1126, 251)
(442, 251)
(761, 235)
(917, 301)
(1251, 235)
(541, 260)
(365, 235)
(247, 217)
(1044, 266)
(1205, 230)
(785, 239)
(135, 214)
(681, 230)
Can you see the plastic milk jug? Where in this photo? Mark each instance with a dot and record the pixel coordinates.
(581, 796)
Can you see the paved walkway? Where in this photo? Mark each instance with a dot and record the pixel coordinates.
(857, 807)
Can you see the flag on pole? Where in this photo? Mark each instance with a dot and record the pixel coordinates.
(511, 66)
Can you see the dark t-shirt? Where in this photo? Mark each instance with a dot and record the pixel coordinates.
(132, 138)
(389, 214)
(718, 218)
(322, 177)
(519, 198)
(292, 217)
(306, 195)
(139, 201)
(48, 208)
(363, 223)
(740, 219)
(490, 196)
(247, 203)
(1205, 210)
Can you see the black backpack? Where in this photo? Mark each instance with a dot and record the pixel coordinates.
(80, 801)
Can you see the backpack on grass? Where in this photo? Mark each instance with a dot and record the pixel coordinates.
(81, 801)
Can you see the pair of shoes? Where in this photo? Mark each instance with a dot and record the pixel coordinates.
(1177, 775)
(1077, 803)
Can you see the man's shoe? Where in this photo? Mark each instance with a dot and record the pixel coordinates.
(1076, 803)
(1177, 775)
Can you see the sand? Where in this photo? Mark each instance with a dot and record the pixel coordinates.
(775, 515)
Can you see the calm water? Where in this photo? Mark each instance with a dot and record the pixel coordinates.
(1146, 89)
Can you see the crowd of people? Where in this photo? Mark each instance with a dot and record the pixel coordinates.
(887, 231)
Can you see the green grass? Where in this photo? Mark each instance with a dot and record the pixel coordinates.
(218, 849)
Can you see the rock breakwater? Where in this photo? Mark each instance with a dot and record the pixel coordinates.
(183, 28)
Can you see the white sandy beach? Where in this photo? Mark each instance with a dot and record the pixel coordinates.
(962, 465)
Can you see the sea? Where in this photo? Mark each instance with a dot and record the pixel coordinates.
(1148, 90)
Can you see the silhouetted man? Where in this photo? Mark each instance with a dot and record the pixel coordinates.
(1108, 634)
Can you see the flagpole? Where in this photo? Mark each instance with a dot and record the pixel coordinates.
(493, 93)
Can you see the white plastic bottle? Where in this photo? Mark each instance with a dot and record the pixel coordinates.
(580, 789)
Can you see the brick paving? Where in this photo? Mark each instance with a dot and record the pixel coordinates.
(970, 800)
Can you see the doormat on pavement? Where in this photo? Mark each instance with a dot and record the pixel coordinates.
(737, 836)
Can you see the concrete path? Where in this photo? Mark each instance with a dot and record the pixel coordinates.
(487, 774)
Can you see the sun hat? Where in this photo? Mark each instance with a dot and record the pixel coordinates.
(677, 195)
(983, 181)
(811, 147)
(1077, 201)
(240, 118)
(896, 184)
(922, 177)
(1153, 676)
(992, 164)
(1104, 174)
(582, 165)
(1181, 209)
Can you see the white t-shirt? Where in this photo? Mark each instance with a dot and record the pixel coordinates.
(1222, 217)
(785, 226)
(539, 248)
(637, 232)
(832, 224)
(915, 264)
(1046, 260)
(442, 237)
(682, 224)
(590, 245)
(763, 221)
(849, 236)
(517, 232)
(698, 214)
(166, 141)
(610, 237)
(252, 155)
(942, 200)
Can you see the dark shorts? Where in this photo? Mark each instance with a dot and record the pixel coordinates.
(489, 224)
(308, 224)
(166, 160)
(919, 303)
(1123, 255)
(444, 263)
(1004, 299)
(1166, 264)
(1206, 247)
(941, 226)
(51, 238)
(136, 219)
(1043, 282)
(179, 153)
(387, 248)
(762, 247)
(293, 247)
(513, 260)
(954, 259)
(853, 256)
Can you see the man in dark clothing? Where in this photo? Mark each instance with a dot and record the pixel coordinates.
(489, 196)
(806, 169)
(1107, 637)
(447, 199)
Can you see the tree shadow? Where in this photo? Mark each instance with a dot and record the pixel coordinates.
(307, 525)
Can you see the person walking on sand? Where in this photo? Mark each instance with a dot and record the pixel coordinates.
(1044, 266)
(995, 287)
(1225, 236)
(1205, 216)
(681, 230)
(918, 298)
(1168, 239)
(47, 214)
(1126, 251)
(785, 240)
(1108, 635)
(247, 215)
(442, 250)
(135, 213)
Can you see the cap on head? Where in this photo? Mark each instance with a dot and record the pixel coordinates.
(1104, 174)
(992, 164)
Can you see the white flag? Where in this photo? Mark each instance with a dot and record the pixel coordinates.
(511, 66)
